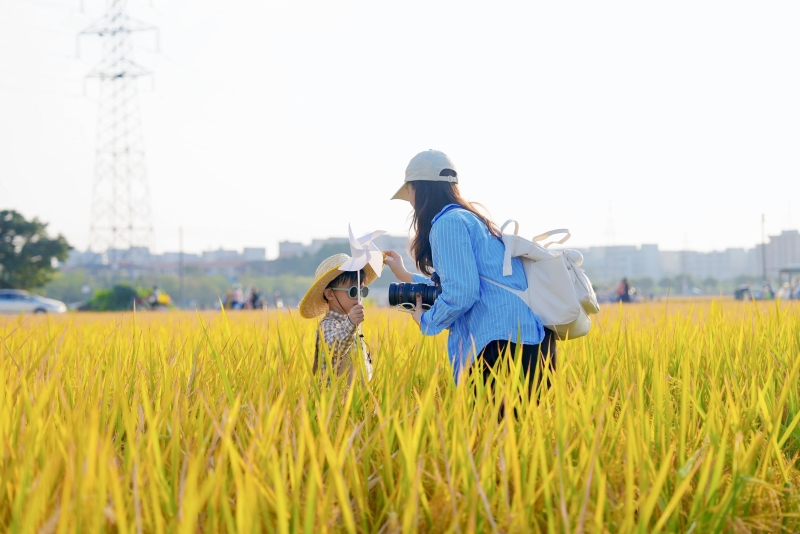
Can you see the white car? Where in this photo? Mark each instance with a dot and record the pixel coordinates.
(14, 301)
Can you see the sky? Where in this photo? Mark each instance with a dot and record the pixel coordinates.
(676, 123)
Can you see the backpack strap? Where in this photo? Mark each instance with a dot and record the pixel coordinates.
(516, 226)
(542, 237)
(507, 253)
(517, 292)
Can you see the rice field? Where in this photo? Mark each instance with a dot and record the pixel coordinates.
(668, 417)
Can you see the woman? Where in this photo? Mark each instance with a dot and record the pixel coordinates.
(464, 248)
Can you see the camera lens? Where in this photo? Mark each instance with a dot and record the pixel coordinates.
(393, 295)
(404, 295)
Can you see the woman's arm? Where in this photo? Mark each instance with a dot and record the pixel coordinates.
(455, 262)
(395, 262)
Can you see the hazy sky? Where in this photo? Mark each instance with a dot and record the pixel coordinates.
(675, 123)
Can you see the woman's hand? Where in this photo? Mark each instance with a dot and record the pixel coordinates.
(418, 311)
(395, 263)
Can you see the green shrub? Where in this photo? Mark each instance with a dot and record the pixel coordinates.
(118, 298)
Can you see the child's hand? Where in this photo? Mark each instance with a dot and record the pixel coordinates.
(395, 263)
(356, 314)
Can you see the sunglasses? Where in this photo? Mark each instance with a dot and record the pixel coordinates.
(411, 308)
(352, 291)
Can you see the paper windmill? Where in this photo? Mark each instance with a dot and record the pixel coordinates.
(363, 251)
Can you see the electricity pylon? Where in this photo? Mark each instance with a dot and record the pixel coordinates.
(121, 216)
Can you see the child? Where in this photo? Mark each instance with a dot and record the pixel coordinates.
(335, 293)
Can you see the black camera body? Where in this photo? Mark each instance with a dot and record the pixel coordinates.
(404, 294)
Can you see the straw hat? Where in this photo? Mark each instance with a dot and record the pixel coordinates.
(314, 303)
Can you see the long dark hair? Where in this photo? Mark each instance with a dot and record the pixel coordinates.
(429, 199)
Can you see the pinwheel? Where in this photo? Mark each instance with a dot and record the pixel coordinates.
(363, 252)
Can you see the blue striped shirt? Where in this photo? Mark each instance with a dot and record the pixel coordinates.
(475, 311)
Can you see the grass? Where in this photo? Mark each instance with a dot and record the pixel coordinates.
(671, 417)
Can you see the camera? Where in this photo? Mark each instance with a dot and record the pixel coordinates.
(404, 295)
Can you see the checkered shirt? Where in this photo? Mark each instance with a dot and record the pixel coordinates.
(340, 337)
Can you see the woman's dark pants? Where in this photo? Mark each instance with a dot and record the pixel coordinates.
(532, 357)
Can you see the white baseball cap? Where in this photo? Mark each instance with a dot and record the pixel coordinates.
(427, 166)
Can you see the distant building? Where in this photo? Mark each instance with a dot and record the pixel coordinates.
(671, 262)
(220, 255)
(291, 249)
(175, 257)
(782, 251)
(317, 244)
(254, 254)
(77, 259)
(610, 263)
(130, 256)
(722, 265)
(602, 264)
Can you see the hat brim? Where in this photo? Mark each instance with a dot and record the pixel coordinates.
(402, 193)
(314, 303)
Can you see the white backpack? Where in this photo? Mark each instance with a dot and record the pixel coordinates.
(559, 292)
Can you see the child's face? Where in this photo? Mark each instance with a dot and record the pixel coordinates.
(339, 300)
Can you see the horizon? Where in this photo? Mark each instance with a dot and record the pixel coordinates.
(309, 241)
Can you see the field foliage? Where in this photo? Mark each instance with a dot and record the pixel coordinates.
(670, 417)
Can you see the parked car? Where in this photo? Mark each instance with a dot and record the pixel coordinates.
(14, 301)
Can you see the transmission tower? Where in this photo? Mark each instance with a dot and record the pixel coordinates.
(121, 216)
